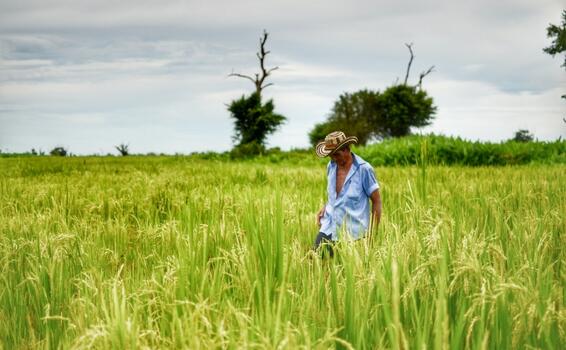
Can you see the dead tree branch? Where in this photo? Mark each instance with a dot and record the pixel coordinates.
(410, 47)
(259, 77)
(424, 74)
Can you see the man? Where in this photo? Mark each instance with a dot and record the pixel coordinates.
(351, 185)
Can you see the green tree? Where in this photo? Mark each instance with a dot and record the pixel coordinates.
(253, 122)
(355, 113)
(320, 130)
(58, 151)
(523, 135)
(404, 107)
(558, 34)
(374, 115)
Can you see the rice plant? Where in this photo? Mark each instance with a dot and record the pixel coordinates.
(174, 252)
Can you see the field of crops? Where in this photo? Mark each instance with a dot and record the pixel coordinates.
(176, 252)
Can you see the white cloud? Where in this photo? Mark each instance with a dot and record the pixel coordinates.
(154, 73)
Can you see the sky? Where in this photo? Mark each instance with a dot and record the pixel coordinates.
(90, 75)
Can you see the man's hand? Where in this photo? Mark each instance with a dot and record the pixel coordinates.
(319, 215)
(375, 211)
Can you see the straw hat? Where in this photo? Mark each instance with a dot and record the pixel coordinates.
(332, 142)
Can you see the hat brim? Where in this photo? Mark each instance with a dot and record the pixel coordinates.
(322, 151)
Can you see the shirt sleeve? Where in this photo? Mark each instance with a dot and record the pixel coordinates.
(369, 181)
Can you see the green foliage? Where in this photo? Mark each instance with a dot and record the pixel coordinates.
(373, 115)
(320, 130)
(246, 150)
(418, 150)
(253, 122)
(523, 135)
(357, 114)
(558, 33)
(442, 150)
(403, 107)
(58, 151)
(32, 153)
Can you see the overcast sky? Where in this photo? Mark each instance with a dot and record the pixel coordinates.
(88, 75)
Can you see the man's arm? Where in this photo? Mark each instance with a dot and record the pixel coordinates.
(375, 211)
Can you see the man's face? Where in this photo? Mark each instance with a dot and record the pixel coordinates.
(340, 156)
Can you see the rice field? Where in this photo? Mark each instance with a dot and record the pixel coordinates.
(174, 252)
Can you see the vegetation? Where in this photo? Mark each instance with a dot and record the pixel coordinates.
(371, 115)
(123, 149)
(434, 149)
(175, 252)
(523, 135)
(355, 113)
(442, 150)
(58, 151)
(558, 36)
(405, 151)
(405, 107)
(253, 122)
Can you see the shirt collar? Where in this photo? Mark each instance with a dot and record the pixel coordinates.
(357, 161)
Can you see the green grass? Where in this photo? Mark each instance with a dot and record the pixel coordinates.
(174, 252)
(444, 150)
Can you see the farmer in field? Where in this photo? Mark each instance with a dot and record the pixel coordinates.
(351, 186)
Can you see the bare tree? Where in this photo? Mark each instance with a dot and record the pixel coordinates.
(422, 75)
(259, 77)
(410, 47)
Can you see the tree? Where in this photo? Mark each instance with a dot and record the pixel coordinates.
(58, 151)
(259, 79)
(523, 135)
(558, 33)
(374, 115)
(253, 122)
(422, 75)
(123, 149)
(404, 107)
(355, 113)
(559, 43)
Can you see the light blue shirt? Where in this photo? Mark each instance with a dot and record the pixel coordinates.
(348, 212)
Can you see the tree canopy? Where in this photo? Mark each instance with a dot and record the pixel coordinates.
(558, 33)
(523, 135)
(404, 107)
(371, 114)
(374, 115)
(354, 113)
(254, 120)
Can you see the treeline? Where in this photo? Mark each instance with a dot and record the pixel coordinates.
(429, 149)
(408, 150)
(442, 150)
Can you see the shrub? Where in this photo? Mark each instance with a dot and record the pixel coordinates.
(58, 151)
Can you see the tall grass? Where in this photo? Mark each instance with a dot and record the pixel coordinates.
(168, 252)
